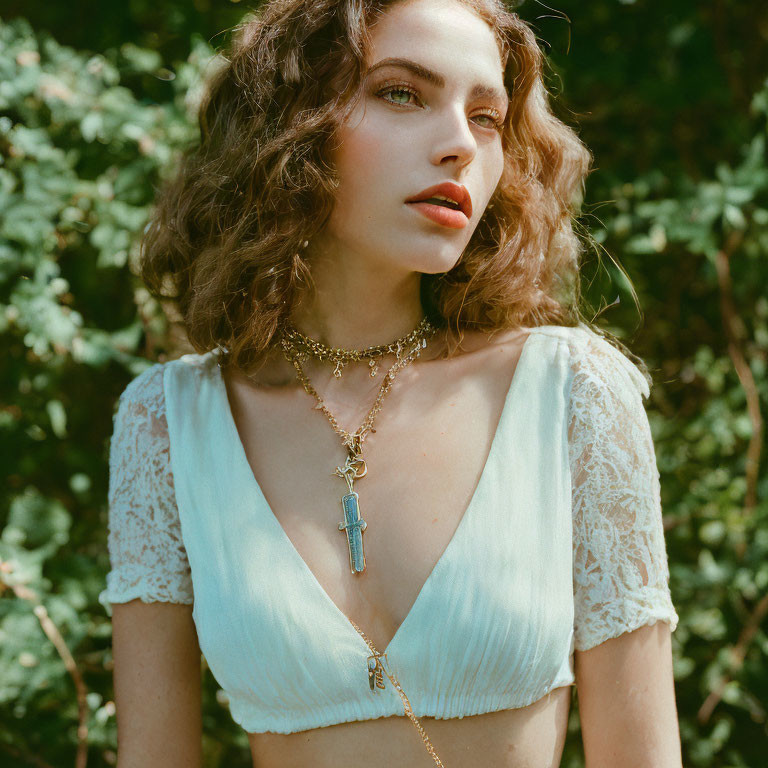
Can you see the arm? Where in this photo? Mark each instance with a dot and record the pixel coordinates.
(623, 610)
(626, 697)
(157, 680)
(157, 670)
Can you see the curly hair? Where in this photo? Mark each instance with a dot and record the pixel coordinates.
(228, 228)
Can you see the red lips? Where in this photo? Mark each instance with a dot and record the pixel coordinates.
(457, 192)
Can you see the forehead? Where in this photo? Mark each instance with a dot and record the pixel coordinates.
(444, 36)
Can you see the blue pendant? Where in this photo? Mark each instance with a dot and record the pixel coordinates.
(354, 525)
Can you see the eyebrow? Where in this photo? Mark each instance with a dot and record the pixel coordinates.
(479, 90)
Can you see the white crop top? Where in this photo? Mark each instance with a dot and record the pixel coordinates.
(566, 520)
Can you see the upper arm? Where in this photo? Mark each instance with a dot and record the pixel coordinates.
(623, 612)
(157, 680)
(626, 697)
(157, 661)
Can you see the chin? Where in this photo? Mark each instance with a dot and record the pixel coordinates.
(429, 261)
(437, 265)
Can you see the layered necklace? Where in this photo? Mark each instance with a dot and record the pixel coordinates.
(298, 348)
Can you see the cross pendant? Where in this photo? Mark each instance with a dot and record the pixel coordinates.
(354, 525)
(354, 467)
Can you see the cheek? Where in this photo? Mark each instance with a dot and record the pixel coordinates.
(362, 159)
(370, 178)
(493, 159)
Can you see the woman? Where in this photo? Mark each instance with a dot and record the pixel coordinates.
(499, 534)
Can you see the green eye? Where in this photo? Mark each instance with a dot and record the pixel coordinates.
(396, 90)
(496, 123)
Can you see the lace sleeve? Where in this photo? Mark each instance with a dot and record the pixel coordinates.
(147, 556)
(620, 566)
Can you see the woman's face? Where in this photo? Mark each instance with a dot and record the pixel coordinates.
(410, 132)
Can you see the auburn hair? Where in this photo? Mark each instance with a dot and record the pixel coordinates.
(228, 227)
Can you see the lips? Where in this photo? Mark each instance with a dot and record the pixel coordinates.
(457, 192)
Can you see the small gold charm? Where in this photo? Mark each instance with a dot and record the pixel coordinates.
(375, 672)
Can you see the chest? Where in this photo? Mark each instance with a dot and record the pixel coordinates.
(425, 461)
(478, 620)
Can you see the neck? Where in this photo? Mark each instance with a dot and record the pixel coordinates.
(354, 308)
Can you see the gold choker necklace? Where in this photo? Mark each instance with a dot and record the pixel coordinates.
(309, 347)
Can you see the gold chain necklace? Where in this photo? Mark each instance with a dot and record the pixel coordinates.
(354, 466)
(375, 670)
(296, 346)
(311, 347)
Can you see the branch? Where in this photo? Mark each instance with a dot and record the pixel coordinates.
(52, 632)
(738, 652)
(734, 330)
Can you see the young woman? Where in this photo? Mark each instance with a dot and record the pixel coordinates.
(400, 496)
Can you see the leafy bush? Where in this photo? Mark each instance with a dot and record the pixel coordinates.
(81, 156)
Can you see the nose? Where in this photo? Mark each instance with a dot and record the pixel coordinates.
(453, 137)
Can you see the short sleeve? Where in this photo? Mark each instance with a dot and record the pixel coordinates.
(146, 552)
(620, 567)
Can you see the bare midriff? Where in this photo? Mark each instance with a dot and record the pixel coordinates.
(527, 737)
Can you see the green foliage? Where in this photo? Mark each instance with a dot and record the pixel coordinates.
(677, 121)
(81, 156)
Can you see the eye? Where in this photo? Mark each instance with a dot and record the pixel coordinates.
(396, 89)
(493, 116)
(495, 122)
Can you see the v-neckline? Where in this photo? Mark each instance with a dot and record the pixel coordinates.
(242, 459)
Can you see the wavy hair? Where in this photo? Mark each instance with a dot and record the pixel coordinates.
(228, 228)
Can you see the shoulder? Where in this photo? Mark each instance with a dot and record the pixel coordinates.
(596, 363)
(147, 388)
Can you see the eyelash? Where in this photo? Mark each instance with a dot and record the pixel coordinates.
(494, 115)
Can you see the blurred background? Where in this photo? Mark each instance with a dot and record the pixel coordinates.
(96, 100)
